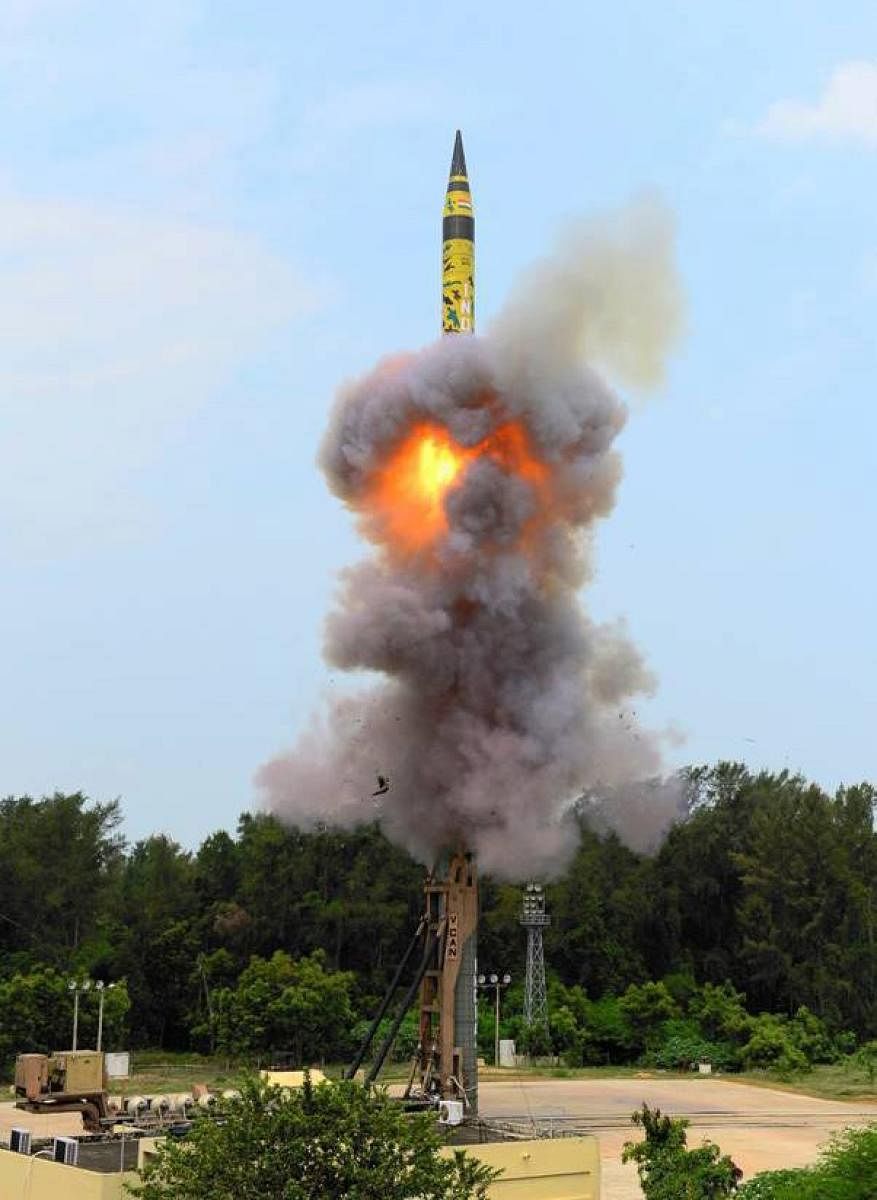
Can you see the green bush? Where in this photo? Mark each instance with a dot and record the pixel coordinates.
(771, 1046)
(780, 1185)
(865, 1060)
(847, 1170)
(815, 1041)
(668, 1170)
(536, 1041)
(681, 1045)
(683, 988)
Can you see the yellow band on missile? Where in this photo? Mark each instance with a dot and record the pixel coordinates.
(458, 286)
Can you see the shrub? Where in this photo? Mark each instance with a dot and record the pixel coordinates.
(847, 1170)
(668, 1170)
(683, 988)
(682, 1045)
(771, 1046)
(812, 1037)
(36, 1015)
(536, 1040)
(779, 1185)
(865, 1059)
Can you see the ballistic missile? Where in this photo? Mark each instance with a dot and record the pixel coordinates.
(458, 248)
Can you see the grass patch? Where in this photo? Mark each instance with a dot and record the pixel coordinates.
(831, 1081)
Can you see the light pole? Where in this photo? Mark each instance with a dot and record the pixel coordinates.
(77, 988)
(497, 983)
(73, 987)
(99, 987)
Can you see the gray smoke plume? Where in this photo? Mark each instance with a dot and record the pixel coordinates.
(502, 702)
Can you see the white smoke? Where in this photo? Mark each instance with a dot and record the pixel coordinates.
(501, 699)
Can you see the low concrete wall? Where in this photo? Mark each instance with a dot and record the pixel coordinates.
(544, 1169)
(23, 1177)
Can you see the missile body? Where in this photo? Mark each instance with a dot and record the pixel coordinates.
(458, 249)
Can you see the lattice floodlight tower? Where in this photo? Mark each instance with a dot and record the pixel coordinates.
(534, 918)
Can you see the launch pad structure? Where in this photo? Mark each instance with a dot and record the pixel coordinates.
(447, 1034)
(445, 1063)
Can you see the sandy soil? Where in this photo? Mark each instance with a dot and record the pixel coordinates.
(760, 1128)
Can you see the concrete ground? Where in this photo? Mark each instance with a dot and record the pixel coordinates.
(56, 1125)
(760, 1128)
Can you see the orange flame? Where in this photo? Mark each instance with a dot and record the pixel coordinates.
(407, 494)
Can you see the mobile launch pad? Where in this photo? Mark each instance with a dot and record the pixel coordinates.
(445, 1064)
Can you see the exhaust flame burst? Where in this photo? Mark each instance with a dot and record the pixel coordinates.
(407, 494)
(477, 468)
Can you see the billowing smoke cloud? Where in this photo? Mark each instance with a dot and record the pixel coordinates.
(477, 468)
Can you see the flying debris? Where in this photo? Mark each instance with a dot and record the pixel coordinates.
(383, 786)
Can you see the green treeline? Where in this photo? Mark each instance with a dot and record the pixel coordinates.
(278, 939)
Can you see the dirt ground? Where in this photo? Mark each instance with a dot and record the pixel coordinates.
(760, 1128)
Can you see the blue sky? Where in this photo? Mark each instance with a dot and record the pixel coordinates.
(212, 213)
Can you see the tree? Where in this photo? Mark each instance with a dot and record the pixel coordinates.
(668, 1170)
(770, 884)
(606, 1035)
(647, 1006)
(602, 917)
(59, 857)
(352, 894)
(337, 1139)
(156, 940)
(282, 1004)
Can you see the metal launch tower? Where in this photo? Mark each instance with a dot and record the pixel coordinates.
(534, 918)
